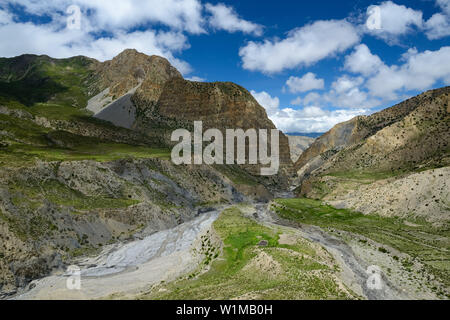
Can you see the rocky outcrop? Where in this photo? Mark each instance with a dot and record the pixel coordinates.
(221, 105)
(218, 104)
(129, 69)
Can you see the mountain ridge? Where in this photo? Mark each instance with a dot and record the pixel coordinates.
(383, 150)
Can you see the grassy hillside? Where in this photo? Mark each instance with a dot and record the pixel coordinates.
(43, 115)
(38, 79)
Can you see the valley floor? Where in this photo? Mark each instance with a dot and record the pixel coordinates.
(289, 249)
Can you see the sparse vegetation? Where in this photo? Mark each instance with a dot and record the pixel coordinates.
(276, 271)
(422, 241)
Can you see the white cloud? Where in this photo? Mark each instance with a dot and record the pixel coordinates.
(56, 43)
(225, 18)
(346, 92)
(438, 26)
(308, 119)
(306, 83)
(112, 15)
(362, 61)
(419, 72)
(55, 40)
(445, 6)
(301, 47)
(271, 104)
(312, 119)
(396, 20)
(4, 17)
(297, 101)
(346, 83)
(311, 98)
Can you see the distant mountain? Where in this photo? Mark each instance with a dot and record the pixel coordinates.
(305, 134)
(298, 144)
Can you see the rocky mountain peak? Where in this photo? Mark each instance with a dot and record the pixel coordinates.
(130, 68)
(221, 105)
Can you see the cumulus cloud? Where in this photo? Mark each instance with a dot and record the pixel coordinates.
(312, 119)
(362, 61)
(420, 71)
(46, 39)
(417, 71)
(438, 26)
(396, 20)
(5, 17)
(297, 101)
(346, 83)
(111, 17)
(225, 18)
(306, 83)
(347, 92)
(271, 104)
(445, 5)
(312, 98)
(302, 47)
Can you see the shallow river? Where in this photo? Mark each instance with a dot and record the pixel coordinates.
(129, 267)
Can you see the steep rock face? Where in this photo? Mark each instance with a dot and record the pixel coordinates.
(221, 105)
(130, 68)
(159, 100)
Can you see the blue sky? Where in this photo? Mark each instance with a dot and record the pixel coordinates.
(311, 64)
